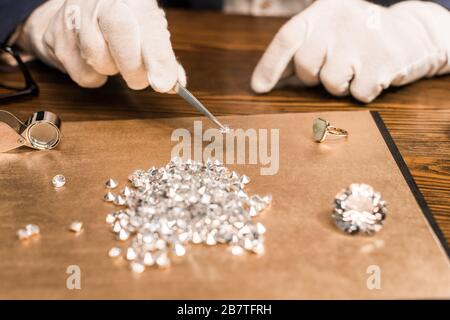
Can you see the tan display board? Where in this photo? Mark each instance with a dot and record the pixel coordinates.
(306, 255)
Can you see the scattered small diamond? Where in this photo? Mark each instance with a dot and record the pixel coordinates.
(137, 267)
(244, 179)
(163, 260)
(148, 259)
(32, 229)
(124, 235)
(29, 231)
(259, 249)
(111, 184)
(110, 218)
(237, 250)
(76, 226)
(210, 240)
(185, 202)
(58, 181)
(109, 197)
(131, 254)
(115, 252)
(23, 234)
(126, 192)
(260, 228)
(119, 200)
(179, 250)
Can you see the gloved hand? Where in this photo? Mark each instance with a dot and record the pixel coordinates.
(92, 39)
(357, 47)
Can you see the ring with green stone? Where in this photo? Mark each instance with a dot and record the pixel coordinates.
(322, 128)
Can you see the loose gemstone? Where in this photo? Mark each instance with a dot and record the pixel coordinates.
(111, 184)
(58, 181)
(253, 211)
(23, 234)
(110, 218)
(237, 250)
(267, 199)
(131, 254)
(206, 199)
(179, 250)
(32, 229)
(161, 244)
(359, 209)
(210, 239)
(117, 227)
(245, 179)
(124, 234)
(148, 259)
(115, 252)
(259, 249)
(29, 231)
(162, 260)
(137, 267)
(119, 200)
(109, 197)
(76, 226)
(319, 129)
(126, 192)
(248, 244)
(260, 228)
(196, 238)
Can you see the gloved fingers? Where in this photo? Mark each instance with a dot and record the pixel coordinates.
(157, 52)
(94, 49)
(336, 75)
(278, 55)
(309, 60)
(182, 80)
(67, 56)
(160, 61)
(78, 69)
(435, 61)
(47, 54)
(120, 29)
(367, 85)
(421, 68)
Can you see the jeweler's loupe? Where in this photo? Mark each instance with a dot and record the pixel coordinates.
(41, 131)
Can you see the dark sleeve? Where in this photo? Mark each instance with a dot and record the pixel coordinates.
(218, 4)
(12, 12)
(194, 4)
(444, 3)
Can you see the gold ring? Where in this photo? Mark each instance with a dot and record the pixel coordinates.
(322, 128)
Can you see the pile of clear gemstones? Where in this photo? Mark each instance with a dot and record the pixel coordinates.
(185, 202)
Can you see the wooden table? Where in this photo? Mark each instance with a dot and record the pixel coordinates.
(219, 53)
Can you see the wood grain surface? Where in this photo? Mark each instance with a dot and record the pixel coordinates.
(219, 53)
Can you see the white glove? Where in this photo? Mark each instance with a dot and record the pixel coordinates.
(92, 39)
(357, 47)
